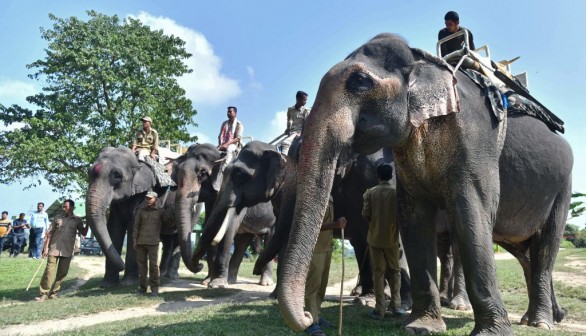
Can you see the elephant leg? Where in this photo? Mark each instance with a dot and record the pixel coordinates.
(241, 243)
(406, 299)
(266, 278)
(522, 255)
(460, 300)
(473, 212)
(131, 271)
(167, 241)
(211, 253)
(173, 271)
(365, 285)
(116, 232)
(220, 278)
(445, 256)
(419, 237)
(543, 252)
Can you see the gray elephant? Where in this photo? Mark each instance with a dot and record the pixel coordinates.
(482, 169)
(118, 183)
(195, 174)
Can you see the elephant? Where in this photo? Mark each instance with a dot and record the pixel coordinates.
(450, 151)
(118, 183)
(192, 171)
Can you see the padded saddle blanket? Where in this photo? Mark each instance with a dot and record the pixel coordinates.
(163, 179)
(510, 101)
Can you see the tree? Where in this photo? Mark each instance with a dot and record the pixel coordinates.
(100, 76)
(577, 208)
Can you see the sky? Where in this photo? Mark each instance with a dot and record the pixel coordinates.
(256, 54)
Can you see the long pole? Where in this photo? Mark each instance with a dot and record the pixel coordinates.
(341, 286)
(34, 276)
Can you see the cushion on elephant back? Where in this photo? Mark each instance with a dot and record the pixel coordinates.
(163, 179)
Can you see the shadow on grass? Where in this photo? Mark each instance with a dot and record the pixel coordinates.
(22, 295)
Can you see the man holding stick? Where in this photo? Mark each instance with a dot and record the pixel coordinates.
(59, 242)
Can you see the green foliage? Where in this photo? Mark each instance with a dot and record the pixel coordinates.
(567, 244)
(577, 208)
(99, 77)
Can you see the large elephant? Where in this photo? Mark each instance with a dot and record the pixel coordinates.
(118, 183)
(505, 180)
(192, 172)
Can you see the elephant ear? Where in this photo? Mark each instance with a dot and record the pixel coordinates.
(143, 179)
(432, 88)
(275, 163)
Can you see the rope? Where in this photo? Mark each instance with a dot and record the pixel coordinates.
(341, 287)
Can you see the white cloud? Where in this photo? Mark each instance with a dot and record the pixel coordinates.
(15, 92)
(206, 84)
(254, 84)
(203, 138)
(278, 126)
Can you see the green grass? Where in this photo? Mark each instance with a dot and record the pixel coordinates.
(257, 317)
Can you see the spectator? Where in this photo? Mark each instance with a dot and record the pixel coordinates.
(145, 234)
(319, 269)
(4, 229)
(296, 116)
(230, 136)
(147, 140)
(59, 250)
(39, 223)
(18, 227)
(380, 210)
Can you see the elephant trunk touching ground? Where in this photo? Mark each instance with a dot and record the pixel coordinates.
(321, 147)
(97, 201)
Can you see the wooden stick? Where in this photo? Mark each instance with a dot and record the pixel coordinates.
(341, 286)
(33, 278)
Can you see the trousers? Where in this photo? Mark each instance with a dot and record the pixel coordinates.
(381, 259)
(317, 281)
(55, 271)
(147, 258)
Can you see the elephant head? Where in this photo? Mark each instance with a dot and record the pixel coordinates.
(254, 177)
(115, 175)
(195, 173)
(380, 96)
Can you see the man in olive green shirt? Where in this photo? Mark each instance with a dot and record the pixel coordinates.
(296, 116)
(380, 210)
(319, 269)
(145, 234)
(59, 242)
(147, 140)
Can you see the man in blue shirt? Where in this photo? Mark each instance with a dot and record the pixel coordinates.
(18, 227)
(39, 224)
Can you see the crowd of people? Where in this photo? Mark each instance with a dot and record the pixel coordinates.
(25, 230)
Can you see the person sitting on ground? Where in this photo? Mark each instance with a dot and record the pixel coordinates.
(319, 269)
(296, 116)
(58, 249)
(452, 21)
(18, 227)
(229, 139)
(5, 227)
(380, 210)
(147, 140)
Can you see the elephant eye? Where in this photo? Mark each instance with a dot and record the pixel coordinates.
(359, 82)
(116, 177)
(239, 176)
(202, 175)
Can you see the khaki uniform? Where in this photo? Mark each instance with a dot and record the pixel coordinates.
(146, 231)
(380, 209)
(295, 121)
(319, 268)
(146, 142)
(63, 232)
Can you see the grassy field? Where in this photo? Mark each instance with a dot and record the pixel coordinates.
(259, 317)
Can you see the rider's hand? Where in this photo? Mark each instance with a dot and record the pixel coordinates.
(341, 222)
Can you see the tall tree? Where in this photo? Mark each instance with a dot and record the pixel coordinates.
(99, 77)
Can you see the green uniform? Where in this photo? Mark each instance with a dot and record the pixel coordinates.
(319, 268)
(147, 140)
(146, 231)
(380, 209)
(63, 232)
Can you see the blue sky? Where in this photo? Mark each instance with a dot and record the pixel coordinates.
(257, 54)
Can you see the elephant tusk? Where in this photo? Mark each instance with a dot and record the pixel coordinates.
(229, 217)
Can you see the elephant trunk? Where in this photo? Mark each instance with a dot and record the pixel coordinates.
(97, 203)
(323, 140)
(185, 200)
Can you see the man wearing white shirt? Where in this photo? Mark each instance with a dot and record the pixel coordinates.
(39, 223)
